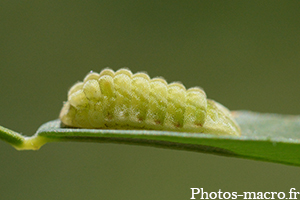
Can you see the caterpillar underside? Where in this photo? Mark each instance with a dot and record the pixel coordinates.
(122, 100)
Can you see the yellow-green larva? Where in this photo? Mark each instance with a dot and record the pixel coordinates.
(122, 100)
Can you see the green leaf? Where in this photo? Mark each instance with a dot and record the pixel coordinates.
(268, 137)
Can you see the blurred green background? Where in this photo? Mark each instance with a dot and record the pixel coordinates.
(245, 54)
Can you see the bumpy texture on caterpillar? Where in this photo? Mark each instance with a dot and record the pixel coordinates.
(122, 100)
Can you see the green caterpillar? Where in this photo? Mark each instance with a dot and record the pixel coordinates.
(122, 100)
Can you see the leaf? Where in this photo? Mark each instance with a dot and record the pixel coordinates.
(267, 137)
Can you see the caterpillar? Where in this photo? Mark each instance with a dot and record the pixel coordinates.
(122, 100)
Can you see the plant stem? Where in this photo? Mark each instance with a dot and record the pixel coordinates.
(19, 141)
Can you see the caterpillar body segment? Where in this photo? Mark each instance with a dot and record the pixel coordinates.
(122, 100)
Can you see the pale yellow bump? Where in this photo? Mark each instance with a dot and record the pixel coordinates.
(197, 89)
(159, 88)
(91, 76)
(219, 122)
(107, 72)
(141, 75)
(177, 93)
(67, 114)
(160, 80)
(140, 84)
(140, 89)
(91, 90)
(75, 88)
(124, 71)
(176, 105)
(106, 83)
(157, 103)
(122, 84)
(225, 110)
(176, 85)
(227, 113)
(196, 97)
(78, 99)
(196, 106)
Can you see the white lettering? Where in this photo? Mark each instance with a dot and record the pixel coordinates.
(265, 195)
(193, 192)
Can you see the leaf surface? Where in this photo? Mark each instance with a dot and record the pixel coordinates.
(268, 137)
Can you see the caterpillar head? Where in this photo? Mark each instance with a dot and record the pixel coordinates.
(122, 100)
